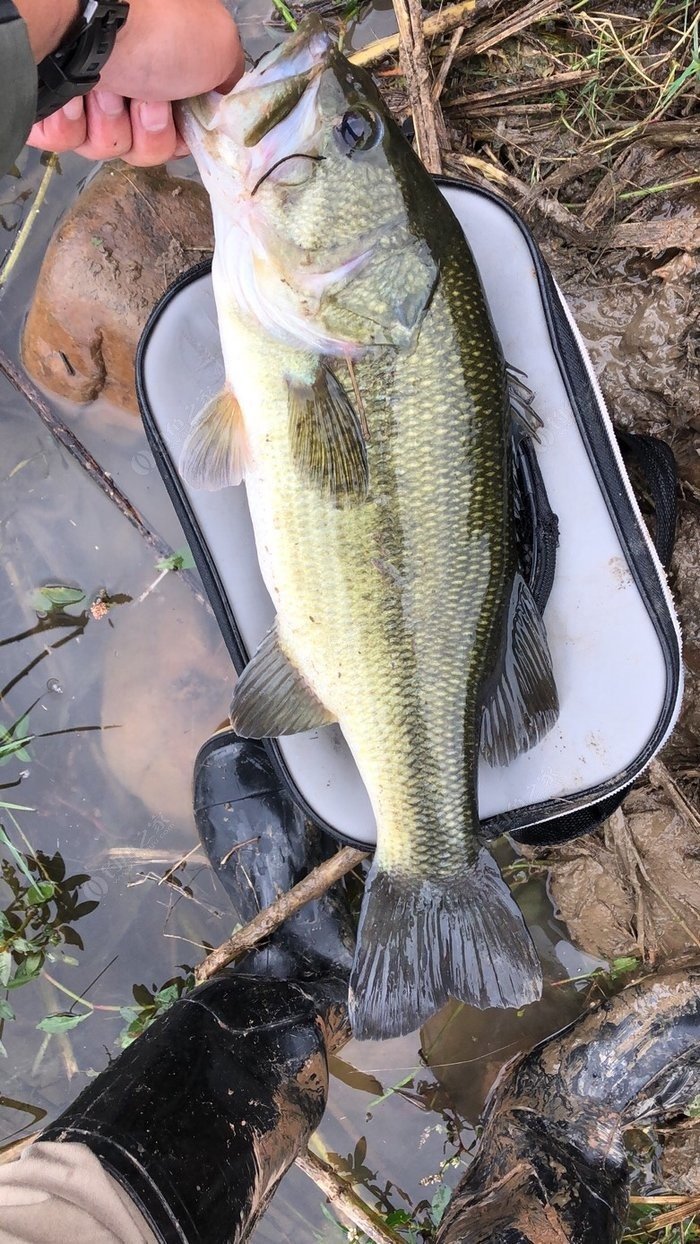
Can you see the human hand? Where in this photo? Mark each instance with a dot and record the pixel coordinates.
(167, 50)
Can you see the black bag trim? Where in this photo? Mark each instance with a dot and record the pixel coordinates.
(555, 820)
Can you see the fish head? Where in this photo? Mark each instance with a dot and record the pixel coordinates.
(314, 192)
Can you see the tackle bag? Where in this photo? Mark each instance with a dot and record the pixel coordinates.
(594, 569)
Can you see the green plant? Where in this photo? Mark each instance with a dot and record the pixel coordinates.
(150, 1003)
(42, 905)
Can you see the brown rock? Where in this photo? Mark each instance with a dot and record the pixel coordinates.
(130, 233)
(166, 651)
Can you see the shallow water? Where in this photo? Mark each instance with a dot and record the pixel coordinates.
(137, 692)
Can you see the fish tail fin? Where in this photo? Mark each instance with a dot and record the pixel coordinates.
(421, 942)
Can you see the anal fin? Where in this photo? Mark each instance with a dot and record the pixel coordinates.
(214, 453)
(328, 446)
(272, 697)
(523, 703)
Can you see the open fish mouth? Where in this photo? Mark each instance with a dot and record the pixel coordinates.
(265, 96)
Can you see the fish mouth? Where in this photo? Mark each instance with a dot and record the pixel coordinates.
(305, 51)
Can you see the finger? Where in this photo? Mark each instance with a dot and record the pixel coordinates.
(108, 126)
(181, 149)
(154, 137)
(66, 129)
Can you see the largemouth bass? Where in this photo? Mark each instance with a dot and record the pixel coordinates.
(367, 406)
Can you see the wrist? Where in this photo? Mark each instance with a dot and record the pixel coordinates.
(47, 22)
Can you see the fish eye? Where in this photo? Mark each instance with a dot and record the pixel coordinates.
(359, 129)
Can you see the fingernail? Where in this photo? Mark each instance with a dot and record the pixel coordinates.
(155, 117)
(110, 104)
(73, 110)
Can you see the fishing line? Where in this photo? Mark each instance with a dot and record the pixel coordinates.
(297, 155)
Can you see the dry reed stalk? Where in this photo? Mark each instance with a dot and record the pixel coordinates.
(415, 63)
(342, 1197)
(266, 922)
(441, 23)
(490, 35)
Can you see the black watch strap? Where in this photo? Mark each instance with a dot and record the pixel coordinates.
(75, 67)
(17, 84)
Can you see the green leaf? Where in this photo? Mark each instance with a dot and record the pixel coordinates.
(61, 1022)
(5, 967)
(60, 595)
(166, 997)
(182, 560)
(6, 1011)
(41, 892)
(625, 963)
(398, 1218)
(17, 857)
(439, 1204)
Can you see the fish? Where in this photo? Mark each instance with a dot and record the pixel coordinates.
(369, 408)
(551, 1167)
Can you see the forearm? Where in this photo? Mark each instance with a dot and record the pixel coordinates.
(47, 22)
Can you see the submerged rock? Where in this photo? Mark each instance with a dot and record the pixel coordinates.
(128, 236)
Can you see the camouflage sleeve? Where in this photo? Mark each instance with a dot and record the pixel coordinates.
(18, 85)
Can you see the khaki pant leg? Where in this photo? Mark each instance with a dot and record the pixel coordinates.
(60, 1194)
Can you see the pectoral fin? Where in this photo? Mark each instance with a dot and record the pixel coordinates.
(523, 704)
(326, 436)
(273, 698)
(214, 453)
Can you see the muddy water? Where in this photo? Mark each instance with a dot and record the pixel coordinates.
(126, 699)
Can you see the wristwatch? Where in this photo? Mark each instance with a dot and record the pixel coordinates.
(75, 67)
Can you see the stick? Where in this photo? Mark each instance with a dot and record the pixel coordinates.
(261, 926)
(439, 84)
(21, 238)
(437, 24)
(523, 90)
(342, 1197)
(488, 37)
(660, 776)
(415, 65)
(65, 437)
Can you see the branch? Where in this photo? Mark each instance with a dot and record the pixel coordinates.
(342, 1197)
(437, 24)
(65, 437)
(266, 922)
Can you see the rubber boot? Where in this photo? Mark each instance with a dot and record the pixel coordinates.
(260, 843)
(199, 1118)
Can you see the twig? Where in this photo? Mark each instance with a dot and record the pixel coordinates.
(660, 776)
(439, 83)
(65, 437)
(20, 240)
(342, 1197)
(690, 1207)
(437, 24)
(261, 926)
(415, 65)
(491, 35)
(522, 90)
